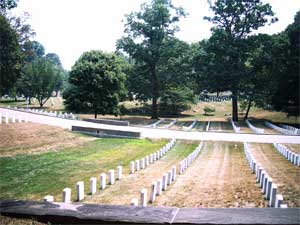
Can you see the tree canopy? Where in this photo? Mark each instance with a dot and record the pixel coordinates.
(235, 20)
(10, 56)
(146, 31)
(97, 84)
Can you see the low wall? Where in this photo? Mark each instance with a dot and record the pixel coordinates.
(79, 213)
(109, 122)
(107, 133)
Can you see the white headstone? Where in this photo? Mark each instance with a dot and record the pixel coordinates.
(67, 195)
(169, 181)
(131, 167)
(137, 165)
(93, 185)
(80, 190)
(273, 195)
(134, 202)
(111, 176)
(173, 173)
(144, 197)
(48, 198)
(159, 187)
(119, 172)
(102, 181)
(278, 201)
(165, 182)
(153, 191)
(143, 163)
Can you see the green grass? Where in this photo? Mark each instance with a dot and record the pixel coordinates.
(34, 176)
(182, 149)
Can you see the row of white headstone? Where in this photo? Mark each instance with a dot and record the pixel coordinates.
(157, 187)
(140, 164)
(294, 129)
(236, 129)
(13, 118)
(170, 124)
(288, 154)
(80, 193)
(51, 113)
(281, 130)
(207, 126)
(154, 125)
(255, 129)
(190, 126)
(215, 99)
(269, 189)
(186, 162)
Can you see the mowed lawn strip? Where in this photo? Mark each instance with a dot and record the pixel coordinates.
(34, 176)
(130, 186)
(219, 177)
(200, 126)
(283, 172)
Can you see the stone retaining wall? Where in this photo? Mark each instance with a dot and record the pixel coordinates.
(107, 133)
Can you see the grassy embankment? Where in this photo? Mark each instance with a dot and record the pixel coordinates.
(34, 176)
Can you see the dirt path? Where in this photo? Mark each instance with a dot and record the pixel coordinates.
(219, 177)
(293, 147)
(130, 186)
(283, 173)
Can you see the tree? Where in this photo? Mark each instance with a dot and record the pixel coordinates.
(39, 80)
(7, 5)
(54, 58)
(286, 66)
(10, 56)
(97, 84)
(33, 50)
(146, 31)
(237, 18)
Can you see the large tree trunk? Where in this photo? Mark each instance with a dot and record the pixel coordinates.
(248, 109)
(234, 106)
(155, 93)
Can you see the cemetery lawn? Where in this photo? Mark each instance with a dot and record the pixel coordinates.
(283, 172)
(32, 138)
(219, 178)
(32, 176)
(130, 186)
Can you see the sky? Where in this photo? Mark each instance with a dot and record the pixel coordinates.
(71, 27)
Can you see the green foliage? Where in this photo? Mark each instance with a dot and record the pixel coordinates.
(39, 80)
(146, 31)
(7, 5)
(286, 66)
(10, 55)
(176, 100)
(96, 84)
(227, 48)
(209, 111)
(33, 50)
(54, 58)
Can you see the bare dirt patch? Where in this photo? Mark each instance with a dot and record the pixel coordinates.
(284, 174)
(31, 138)
(130, 186)
(219, 177)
